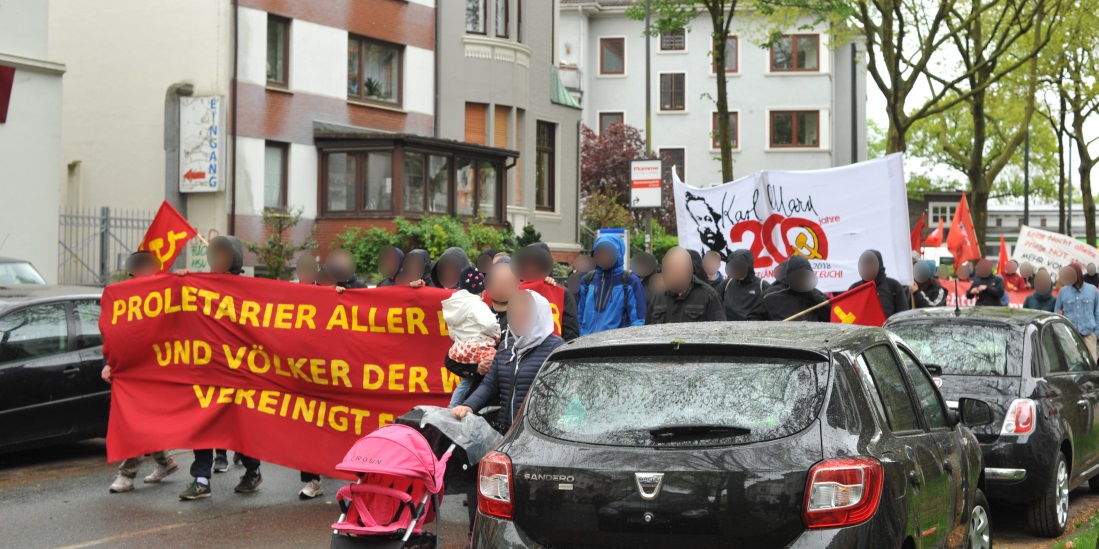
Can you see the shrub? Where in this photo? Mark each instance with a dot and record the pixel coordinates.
(603, 211)
(529, 236)
(277, 252)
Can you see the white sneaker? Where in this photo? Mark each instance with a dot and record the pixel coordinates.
(162, 471)
(122, 484)
(311, 490)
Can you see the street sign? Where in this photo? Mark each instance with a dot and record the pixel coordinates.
(201, 144)
(645, 183)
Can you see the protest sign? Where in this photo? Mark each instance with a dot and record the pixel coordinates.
(288, 373)
(1051, 250)
(1016, 298)
(829, 216)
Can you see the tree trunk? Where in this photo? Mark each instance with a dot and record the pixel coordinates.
(1089, 200)
(895, 139)
(975, 172)
(724, 140)
(1062, 227)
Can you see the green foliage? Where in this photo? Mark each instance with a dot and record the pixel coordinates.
(875, 140)
(278, 251)
(603, 211)
(529, 236)
(432, 233)
(662, 241)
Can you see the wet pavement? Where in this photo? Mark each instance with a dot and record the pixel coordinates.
(57, 498)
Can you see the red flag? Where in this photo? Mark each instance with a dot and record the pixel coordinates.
(1001, 265)
(167, 235)
(962, 241)
(935, 239)
(859, 306)
(917, 232)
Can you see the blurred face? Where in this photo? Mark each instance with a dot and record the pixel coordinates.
(389, 263)
(412, 269)
(802, 280)
(1067, 276)
(220, 259)
(583, 263)
(921, 273)
(573, 283)
(711, 263)
(868, 266)
(657, 284)
(1011, 268)
(963, 272)
(307, 273)
(738, 270)
(484, 263)
(606, 256)
(984, 268)
(520, 313)
(1026, 270)
(529, 271)
(678, 270)
(340, 264)
(325, 279)
(1091, 268)
(1043, 283)
(143, 265)
(780, 271)
(502, 283)
(641, 268)
(943, 272)
(448, 274)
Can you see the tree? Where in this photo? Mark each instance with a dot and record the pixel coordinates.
(605, 169)
(528, 236)
(278, 251)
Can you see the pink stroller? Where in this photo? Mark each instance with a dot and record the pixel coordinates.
(400, 488)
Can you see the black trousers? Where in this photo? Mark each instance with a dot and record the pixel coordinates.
(203, 466)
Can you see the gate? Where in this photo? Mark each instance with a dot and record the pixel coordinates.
(95, 242)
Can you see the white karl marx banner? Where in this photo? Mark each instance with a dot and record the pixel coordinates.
(829, 216)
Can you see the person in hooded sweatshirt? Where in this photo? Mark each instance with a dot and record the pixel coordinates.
(447, 271)
(534, 263)
(987, 288)
(1078, 301)
(891, 294)
(645, 265)
(800, 294)
(1091, 276)
(699, 268)
(415, 269)
(610, 296)
(486, 258)
(780, 279)
(1042, 299)
(340, 265)
(225, 255)
(744, 289)
(926, 290)
(389, 264)
(687, 298)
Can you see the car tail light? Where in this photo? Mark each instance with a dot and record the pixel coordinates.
(1020, 418)
(842, 492)
(494, 486)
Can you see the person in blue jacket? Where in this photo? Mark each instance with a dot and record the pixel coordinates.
(611, 297)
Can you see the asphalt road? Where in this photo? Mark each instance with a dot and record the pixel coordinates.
(58, 498)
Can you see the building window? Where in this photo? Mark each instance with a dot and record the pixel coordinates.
(795, 129)
(673, 40)
(426, 183)
(368, 175)
(942, 211)
(274, 175)
(799, 52)
(502, 18)
(732, 61)
(612, 56)
(545, 171)
(373, 71)
(608, 118)
(733, 129)
(476, 123)
(476, 190)
(999, 221)
(676, 158)
(673, 87)
(278, 51)
(475, 16)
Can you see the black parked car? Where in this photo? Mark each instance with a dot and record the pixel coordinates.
(735, 435)
(50, 362)
(1037, 376)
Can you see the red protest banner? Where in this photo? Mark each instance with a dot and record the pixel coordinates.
(859, 306)
(1017, 298)
(289, 373)
(167, 235)
(554, 294)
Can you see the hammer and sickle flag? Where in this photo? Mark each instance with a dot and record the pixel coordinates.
(167, 235)
(859, 306)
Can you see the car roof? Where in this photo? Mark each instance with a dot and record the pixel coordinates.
(817, 337)
(12, 260)
(1004, 315)
(14, 295)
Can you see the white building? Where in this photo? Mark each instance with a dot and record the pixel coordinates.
(797, 106)
(30, 136)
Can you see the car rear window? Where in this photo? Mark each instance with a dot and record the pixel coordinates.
(964, 348)
(621, 401)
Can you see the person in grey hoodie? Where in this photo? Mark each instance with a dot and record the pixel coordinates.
(744, 289)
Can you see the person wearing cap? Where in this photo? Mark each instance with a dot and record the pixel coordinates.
(140, 264)
(744, 289)
(892, 296)
(987, 288)
(475, 331)
(1078, 301)
(800, 294)
(926, 290)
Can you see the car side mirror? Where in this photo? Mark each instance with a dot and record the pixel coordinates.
(973, 412)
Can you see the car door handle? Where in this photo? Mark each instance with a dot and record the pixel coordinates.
(71, 371)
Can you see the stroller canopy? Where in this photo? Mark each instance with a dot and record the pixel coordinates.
(396, 450)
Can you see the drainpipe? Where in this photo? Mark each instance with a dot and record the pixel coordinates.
(435, 57)
(854, 103)
(171, 151)
(233, 111)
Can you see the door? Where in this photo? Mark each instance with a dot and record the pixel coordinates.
(1069, 398)
(88, 343)
(39, 388)
(1082, 370)
(930, 492)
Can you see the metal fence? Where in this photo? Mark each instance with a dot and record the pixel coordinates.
(94, 243)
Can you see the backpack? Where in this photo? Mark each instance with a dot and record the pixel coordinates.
(626, 273)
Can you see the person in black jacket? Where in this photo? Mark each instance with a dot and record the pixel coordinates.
(800, 295)
(780, 279)
(340, 265)
(686, 299)
(744, 289)
(891, 294)
(415, 268)
(447, 270)
(535, 263)
(926, 290)
(389, 264)
(644, 265)
(987, 287)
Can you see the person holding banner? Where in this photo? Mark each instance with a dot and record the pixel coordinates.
(891, 294)
(800, 294)
(415, 268)
(926, 290)
(687, 299)
(389, 264)
(340, 265)
(447, 271)
(306, 268)
(611, 296)
(987, 288)
(1078, 301)
(534, 265)
(1042, 299)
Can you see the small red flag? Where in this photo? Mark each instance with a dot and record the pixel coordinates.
(859, 306)
(917, 232)
(935, 239)
(167, 235)
(962, 241)
(1001, 265)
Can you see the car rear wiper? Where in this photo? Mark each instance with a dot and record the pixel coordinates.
(668, 432)
(933, 369)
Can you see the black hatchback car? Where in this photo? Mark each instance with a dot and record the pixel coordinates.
(50, 363)
(735, 435)
(1037, 376)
